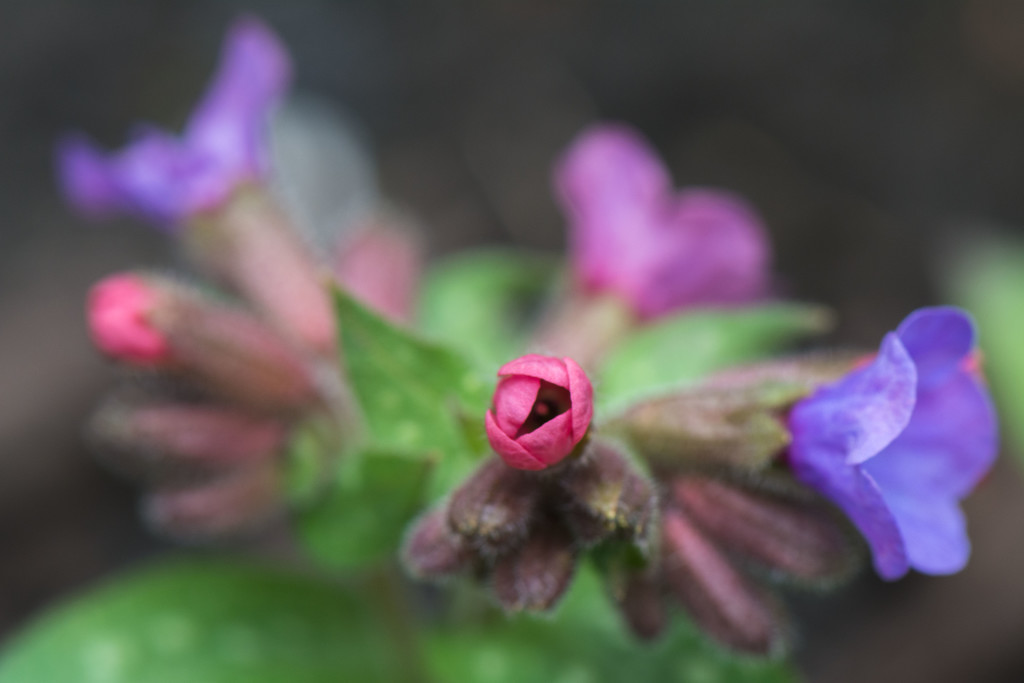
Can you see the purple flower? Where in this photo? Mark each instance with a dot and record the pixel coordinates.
(899, 442)
(166, 178)
(631, 236)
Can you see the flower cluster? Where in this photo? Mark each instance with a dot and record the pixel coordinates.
(707, 496)
(233, 380)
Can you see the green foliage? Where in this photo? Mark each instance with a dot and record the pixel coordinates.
(481, 302)
(586, 643)
(682, 349)
(362, 517)
(220, 622)
(419, 398)
(990, 284)
(211, 622)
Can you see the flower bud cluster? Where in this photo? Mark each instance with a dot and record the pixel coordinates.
(723, 548)
(708, 498)
(523, 531)
(231, 387)
(234, 374)
(720, 525)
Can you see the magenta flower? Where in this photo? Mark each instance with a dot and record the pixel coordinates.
(166, 178)
(630, 235)
(898, 443)
(541, 410)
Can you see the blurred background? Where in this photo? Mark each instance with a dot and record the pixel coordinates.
(877, 139)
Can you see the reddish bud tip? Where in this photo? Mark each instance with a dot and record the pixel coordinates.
(541, 410)
(118, 313)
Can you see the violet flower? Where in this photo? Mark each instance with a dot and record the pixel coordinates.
(631, 236)
(899, 442)
(165, 178)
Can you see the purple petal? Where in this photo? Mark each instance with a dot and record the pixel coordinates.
(950, 443)
(713, 251)
(821, 466)
(938, 339)
(934, 533)
(85, 178)
(167, 179)
(847, 423)
(229, 123)
(609, 182)
(154, 176)
(863, 412)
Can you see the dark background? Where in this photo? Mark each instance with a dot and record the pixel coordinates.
(876, 138)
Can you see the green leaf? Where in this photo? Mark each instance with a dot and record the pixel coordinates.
(685, 348)
(209, 622)
(990, 284)
(585, 643)
(363, 516)
(419, 398)
(480, 302)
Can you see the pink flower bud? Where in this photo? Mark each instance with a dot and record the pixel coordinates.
(381, 266)
(118, 313)
(153, 321)
(234, 505)
(726, 604)
(540, 411)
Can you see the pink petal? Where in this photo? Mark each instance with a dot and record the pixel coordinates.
(550, 442)
(511, 452)
(542, 367)
(581, 394)
(513, 401)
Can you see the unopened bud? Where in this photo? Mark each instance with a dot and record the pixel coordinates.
(720, 600)
(223, 349)
(495, 508)
(118, 311)
(431, 550)
(234, 504)
(733, 419)
(701, 428)
(150, 439)
(606, 495)
(538, 574)
(540, 412)
(248, 243)
(381, 266)
(794, 536)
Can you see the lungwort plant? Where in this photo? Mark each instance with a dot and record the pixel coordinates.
(623, 443)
